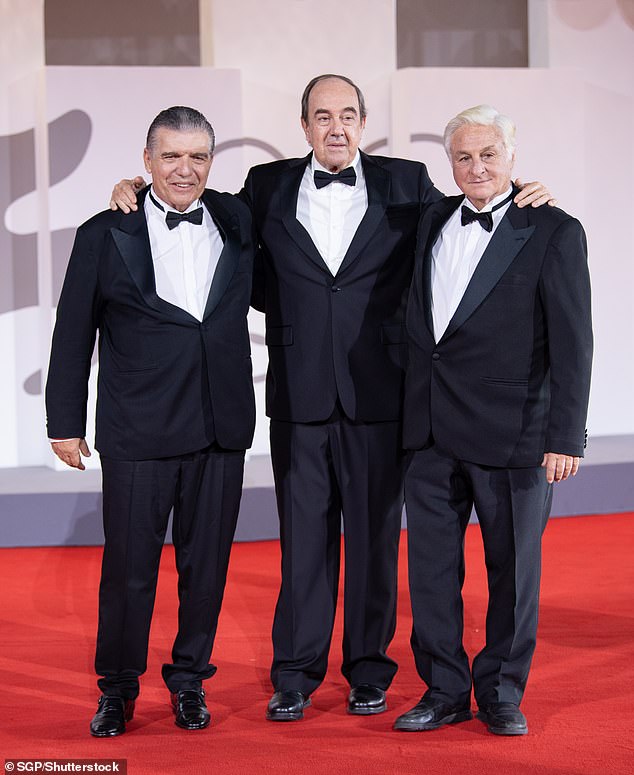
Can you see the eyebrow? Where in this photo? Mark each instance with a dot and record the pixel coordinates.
(185, 153)
(482, 150)
(323, 111)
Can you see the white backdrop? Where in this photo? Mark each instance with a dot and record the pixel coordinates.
(575, 118)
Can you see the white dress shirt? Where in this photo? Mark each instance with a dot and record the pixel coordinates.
(185, 258)
(332, 214)
(455, 256)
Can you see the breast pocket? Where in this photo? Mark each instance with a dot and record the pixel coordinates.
(514, 280)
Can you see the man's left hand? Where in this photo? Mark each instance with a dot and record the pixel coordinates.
(559, 467)
(535, 194)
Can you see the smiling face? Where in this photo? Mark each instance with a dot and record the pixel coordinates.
(480, 162)
(179, 162)
(334, 125)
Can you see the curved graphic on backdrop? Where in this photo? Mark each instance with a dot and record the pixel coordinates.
(249, 141)
(68, 137)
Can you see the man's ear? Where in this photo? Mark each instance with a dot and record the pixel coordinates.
(147, 161)
(306, 133)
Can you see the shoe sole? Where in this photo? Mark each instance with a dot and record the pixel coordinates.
(454, 718)
(289, 716)
(367, 711)
(107, 734)
(191, 726)
(502, 731)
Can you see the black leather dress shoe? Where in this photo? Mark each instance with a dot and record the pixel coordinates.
(431, 713)
(111, 715)
(190, 709)
(503, 718)
(287, 706)
(366, 700)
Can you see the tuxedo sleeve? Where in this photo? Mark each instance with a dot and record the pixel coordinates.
(565, 291)
(429, 193)
(73, 343)
(246, 195)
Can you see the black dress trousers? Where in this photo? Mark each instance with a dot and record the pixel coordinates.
(323, 471)
(512, 506)
(203, 488)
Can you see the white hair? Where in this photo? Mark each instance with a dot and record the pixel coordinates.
(484, 115)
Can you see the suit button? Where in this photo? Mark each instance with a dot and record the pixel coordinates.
(435, 356)
(335, 288)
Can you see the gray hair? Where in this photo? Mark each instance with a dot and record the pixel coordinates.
(311, 85)
(484, 115)
(180, 119)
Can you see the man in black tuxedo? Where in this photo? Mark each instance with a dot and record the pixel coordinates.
(167, 287)
(496, 396)
(336, 232)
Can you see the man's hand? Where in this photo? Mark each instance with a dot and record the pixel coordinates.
(70, 452)
(124, 194)
(535, 194)
(559, 467)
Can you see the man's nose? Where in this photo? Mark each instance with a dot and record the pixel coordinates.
(184, 166)
(336, 128)
(477, 167)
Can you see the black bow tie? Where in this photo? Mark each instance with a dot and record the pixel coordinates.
(172, 219)
(347, 176)
(467, 215)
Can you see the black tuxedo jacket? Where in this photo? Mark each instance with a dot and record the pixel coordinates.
(339, 336)
(510, 377)
(160, 369)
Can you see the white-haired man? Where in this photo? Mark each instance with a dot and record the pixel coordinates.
(495, 407)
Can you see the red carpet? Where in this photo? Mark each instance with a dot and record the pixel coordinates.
(579, 701)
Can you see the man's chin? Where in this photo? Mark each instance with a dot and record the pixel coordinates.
(338, 160)
(479, 192)
(181, 200)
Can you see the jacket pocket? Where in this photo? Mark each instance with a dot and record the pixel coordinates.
(279, 336)
(504, 382)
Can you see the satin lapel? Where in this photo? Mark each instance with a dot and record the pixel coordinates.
(438, 216)
(288, 191)
(377, 182)
(229, 226)
(133, 244)
(507, 241)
